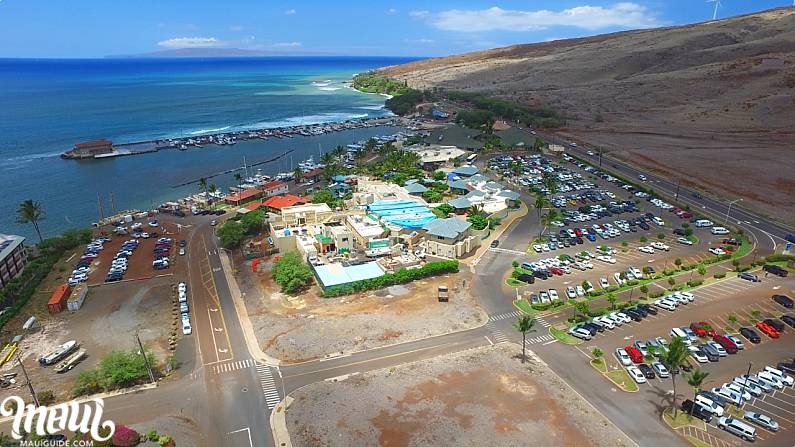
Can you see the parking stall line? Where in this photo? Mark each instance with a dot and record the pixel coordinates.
(777, 399)
(775, 414)
(790, 412)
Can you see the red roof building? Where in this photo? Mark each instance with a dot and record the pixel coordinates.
(254, 206)
(287, 200)
(313, 174)
(243, 196)
(275, 188)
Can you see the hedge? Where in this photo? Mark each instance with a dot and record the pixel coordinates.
(780, 257)
(719, 275)
(695, 283)
(547, 305)
(402, 276)
(656, 294)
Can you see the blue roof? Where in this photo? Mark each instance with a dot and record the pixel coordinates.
(449, 228)
(460, 203)
(458, 184)
(406, 213)
(452, 177)
(466, 170)
(415, 188)
(336, 274)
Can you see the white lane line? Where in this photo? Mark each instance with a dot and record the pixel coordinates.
(248, 431)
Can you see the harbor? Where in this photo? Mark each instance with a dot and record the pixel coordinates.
(101, 149)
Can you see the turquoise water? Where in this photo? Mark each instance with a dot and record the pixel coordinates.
(48, 106)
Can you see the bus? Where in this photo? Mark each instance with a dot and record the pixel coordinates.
(471, 158)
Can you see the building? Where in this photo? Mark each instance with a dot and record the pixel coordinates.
(415, 188)
(367, 231)
(336, 274)
(408, 214)
(313, 175)
(278, 203)
(434, 156)
(450, 238)
(275, 188)
(90, 149)
(341, 237)
(308, 214)
(243, 196)
(298, 238)
(340, 189)
(466, 171)
(13, 257)
(458, 187)
(455, 135)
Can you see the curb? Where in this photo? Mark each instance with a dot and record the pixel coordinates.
(242, 314)
(278, 423)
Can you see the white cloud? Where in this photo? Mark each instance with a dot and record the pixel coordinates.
(392, 10)
(420, 40)
(190, 42)
(419, 14)
(287, 45)
(622, 15)
(289, 12)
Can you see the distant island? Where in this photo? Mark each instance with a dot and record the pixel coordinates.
(208, 52)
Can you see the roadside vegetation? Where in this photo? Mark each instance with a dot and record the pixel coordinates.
(118, 369)
(291, 273)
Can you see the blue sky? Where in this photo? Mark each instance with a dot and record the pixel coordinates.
(95, 28)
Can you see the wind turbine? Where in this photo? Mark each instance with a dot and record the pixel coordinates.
(717, 5)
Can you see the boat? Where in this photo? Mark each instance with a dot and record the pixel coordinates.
(70, 361)
(59, 353)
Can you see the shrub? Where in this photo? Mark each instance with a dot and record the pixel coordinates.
(46, 397)
(153, 436)
(547, 305)
(116, 370)
(695, 282)
(656, 294)
(719, 275)
(671, 281)
(291, 273)
(780, 258)
(126, 437)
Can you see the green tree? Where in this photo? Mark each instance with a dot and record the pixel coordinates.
(325, 196)
(678, 262)
(660, 236)
(515, 264)
(643, 239)
(644, 289)
(31, 212)
(231, 234)
(203, 185)
(583, 308)
(597, 353)
(370, 145)
(671, 281)
(120, 369)
(673, 359)
(443, 210)
(732, 319)
(478, 221)
(432, 196)
(695, 379)
(524, 325)
(291, 273)
(298, 174)
(439, 175)
(327, 158)
(238, 179)
(212, 189)
(612, 298)
(253, 222)
(547, 220)
(702, 270)
(540, 203)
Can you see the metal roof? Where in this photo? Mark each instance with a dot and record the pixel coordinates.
(448, 228)
(337, 274)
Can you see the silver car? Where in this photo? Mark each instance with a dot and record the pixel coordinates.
(761, 419)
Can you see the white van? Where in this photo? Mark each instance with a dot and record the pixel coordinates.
(678, 332)
(737, 428)
(719, 230)
(703, 223)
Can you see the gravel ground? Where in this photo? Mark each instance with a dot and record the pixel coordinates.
(474, 398)
(309, 327)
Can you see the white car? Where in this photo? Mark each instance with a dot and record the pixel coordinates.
(607, 259)
(154, 224)
(646, 249)
(728, 394)
(660, 370)
(604, 283)
(183, 297)
(749, 385)
(746, 395)
(538, 248)
(711, 406)
(618, 279)
(580, 333)
(697, 354)
(684, 241)
(660, 246)
(770, 380)
(635, 272)
(615, 320)
(665, 305)
(182, 287)
(186, 327)
(717, 251)
(571, 293)
(604, 321)
(624, 317)
(689, 296)
(736, 340)
(658, 221)
(636, 375)
(788, 380)
(623, 357)
(553, 295)
(588, 287)
(580, 290)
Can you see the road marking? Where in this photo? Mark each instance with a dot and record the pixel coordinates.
(232, 366)
(248, 431)
(550, 342)
(508, 251)
(506, 315)
(489, 340)
(269, 389)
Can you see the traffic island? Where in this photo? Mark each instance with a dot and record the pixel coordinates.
(564, 337)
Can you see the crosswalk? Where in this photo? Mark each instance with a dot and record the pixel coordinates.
(269, 389)
(543, 322)
(546, 338)
(505, 316)
(232, 366)
(498, 335)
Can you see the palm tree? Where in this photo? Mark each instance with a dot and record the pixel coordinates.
(476, 210)
(583, 308)
(297, 175)
(238, 179)
(339, 151)
(212, 189)
(695, 379)
(541, 203)
(369, 146)
(327, 158)
(675, 357)
(547, 220)
(550, 183)
(611, 298)
(31, 212)
(203, 185)
(524, 325)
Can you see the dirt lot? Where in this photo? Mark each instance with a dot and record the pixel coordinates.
(432, 403)
(108, 320)
(309, 327)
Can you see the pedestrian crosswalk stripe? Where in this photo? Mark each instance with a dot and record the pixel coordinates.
(232, 366)
(505, 315)
(269, 389)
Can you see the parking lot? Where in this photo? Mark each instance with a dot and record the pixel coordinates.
(726, 306)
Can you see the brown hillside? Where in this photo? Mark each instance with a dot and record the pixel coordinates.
(711, 103)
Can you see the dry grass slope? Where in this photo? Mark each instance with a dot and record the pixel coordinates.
(710, 103)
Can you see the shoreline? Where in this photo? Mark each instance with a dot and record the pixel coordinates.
(230, 138)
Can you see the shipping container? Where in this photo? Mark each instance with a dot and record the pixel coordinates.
(75, 302)
(58, 299)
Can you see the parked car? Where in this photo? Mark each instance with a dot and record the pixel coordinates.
(784, 300)
(636, 374)
(646, 370)
(697, 410)
(737, 428)
(736, 340)
(728, 345)
(768, 330)
(580, 332)
(634, 354)
(660, 369)
(750, 334)
(776, 270)
(776, 324)
(623, 357)
(789, 319)
(749, 277)
(761, 420)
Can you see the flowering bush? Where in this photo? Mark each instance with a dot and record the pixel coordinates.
(125, 437)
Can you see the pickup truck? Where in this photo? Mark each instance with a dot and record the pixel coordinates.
(443, 294)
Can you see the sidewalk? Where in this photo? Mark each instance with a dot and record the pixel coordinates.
(278, 420)
(242, 314)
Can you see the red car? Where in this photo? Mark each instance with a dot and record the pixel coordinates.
(634, 354)
(702, 329)
(686, 215)
(578, 232)
(727, 344)
(677, 211)
(767, 329)
(556, 271)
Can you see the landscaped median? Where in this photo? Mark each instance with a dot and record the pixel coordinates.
(564, 336)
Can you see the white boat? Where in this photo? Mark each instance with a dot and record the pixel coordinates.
(59, 353)
(70, 361)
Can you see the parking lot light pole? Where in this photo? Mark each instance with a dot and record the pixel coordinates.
(27, 379)
(746, 384)
(726, 222)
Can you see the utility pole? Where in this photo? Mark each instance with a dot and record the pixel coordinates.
(676, 196)
(746, 384)
(27, 379)
(726, 222)
(600, 158)
(146, 360)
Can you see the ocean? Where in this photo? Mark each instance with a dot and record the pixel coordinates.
(47, 106)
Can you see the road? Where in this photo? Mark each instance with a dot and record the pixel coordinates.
(231, 395)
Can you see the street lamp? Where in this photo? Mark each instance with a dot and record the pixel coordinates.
(726, 222)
